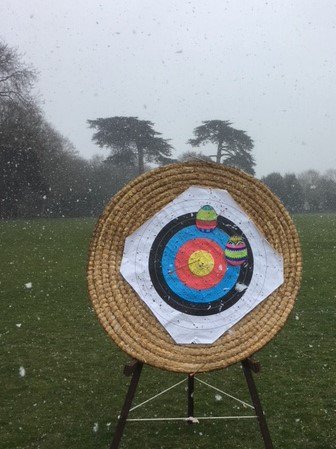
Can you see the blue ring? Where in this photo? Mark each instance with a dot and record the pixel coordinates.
(187, 293)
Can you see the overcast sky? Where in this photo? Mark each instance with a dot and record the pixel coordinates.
(267, 66)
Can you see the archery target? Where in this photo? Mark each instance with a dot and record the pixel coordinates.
(200, 264)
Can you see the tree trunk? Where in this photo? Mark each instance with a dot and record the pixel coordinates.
(219, 152)
(141, 165)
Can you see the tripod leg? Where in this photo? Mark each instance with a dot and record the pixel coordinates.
(136, 371)
(191, 388)
(248, 365)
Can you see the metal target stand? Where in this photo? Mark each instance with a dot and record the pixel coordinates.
(134, 369)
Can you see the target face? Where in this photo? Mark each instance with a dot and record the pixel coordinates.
(201, 265)
(189, 268)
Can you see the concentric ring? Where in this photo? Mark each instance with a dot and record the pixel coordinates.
(185, 296)
(195, 273)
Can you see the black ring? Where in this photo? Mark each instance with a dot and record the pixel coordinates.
(174, 300)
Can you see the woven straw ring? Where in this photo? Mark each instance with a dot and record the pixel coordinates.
(126, 318)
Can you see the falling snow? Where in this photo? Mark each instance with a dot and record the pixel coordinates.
(240, 287)
(193, 420)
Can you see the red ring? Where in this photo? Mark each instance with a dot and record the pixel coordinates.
(187, 277)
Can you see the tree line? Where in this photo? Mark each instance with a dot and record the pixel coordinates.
(42, 175)
(310, 191)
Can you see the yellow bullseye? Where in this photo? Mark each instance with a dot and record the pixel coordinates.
(201, 263)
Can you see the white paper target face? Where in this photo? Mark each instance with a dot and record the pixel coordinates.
(201, 265)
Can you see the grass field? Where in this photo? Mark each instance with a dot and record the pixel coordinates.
(73, 386)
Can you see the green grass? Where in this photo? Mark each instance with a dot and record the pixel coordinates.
(74, 372)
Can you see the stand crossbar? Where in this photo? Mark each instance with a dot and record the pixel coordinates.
(192, 420)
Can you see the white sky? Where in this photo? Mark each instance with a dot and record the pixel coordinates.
(267, 66)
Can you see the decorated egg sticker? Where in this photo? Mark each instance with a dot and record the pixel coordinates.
(236, 251)
(206, 218)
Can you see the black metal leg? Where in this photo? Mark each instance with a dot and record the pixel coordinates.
(135, 370)
(191, 388)
(249, 366)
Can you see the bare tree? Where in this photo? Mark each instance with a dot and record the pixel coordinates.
(16, 78)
